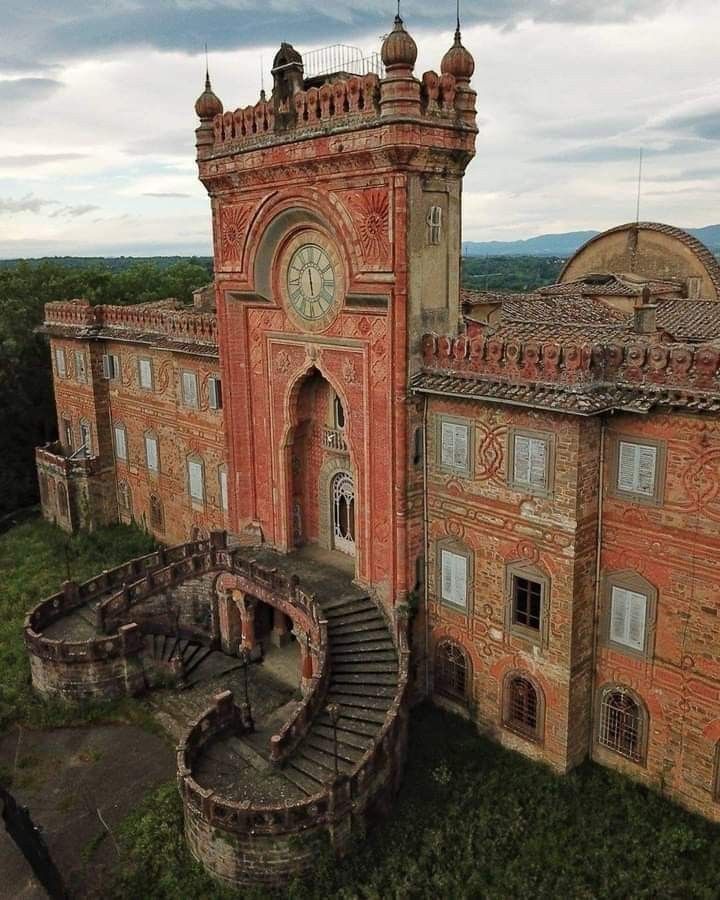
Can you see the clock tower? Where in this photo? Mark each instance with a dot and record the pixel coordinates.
(336, 225)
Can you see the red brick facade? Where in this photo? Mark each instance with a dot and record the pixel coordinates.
(567, 615)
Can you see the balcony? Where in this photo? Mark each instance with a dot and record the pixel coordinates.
(334, 439)
(58, 461)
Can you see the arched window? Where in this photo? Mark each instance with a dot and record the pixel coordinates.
(338, 413)
(124, 498)
(621, 723)
(157, 519)
(451, 671)
(523, 707)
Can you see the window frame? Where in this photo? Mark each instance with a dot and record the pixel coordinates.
(442, 419)
(643, 723)
(215, 403)
(59, 354)
(118, 426)
(198, 461)
(68, 432)
(86, 427)
(145, 387)
(549, 480)
(223, 501)
(193, 375)
(536, 734)
(434, 222)
(458, 549)
(437, 688)
(538, 636)
(111, 366)
(80, 366)
(152, 435)
(614, 489)
(629, 581)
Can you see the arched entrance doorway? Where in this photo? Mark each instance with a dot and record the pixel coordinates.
(343, 513)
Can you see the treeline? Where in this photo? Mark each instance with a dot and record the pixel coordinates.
(27, 413)
(510, 273)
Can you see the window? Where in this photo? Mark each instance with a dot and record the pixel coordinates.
(530, 460)
(60, 366)
(527, 603)
(214, 392)
(145, 373)
(338, 413)
(62, 496)
(523, 707)
(85, 439)
(694, 285)
(189, 389)
(222, 480)
(434, 223)
(68, 435)
(80, 367)
(451, 671)
(120, 442)
(196, 480)
(638, 469)
(628, 612)
(454, 440)
(124, 497)
(417, 447)
(157, 517)
(454, 578)
(111, 366)
(152, 453)
(621, 723)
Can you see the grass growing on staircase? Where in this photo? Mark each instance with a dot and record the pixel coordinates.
(34, 561)
(472, 820)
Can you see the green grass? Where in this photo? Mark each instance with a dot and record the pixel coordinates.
(472, 820)
(34, 560)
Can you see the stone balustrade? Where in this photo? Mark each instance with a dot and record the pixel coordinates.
(634, 362)
(52, 457)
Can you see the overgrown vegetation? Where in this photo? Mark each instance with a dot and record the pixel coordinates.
(472, 820)
(26, 401)
(35, 558)
(510, 273)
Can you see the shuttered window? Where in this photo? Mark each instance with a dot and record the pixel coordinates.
(454, 569)
(151, 453)
(120, 442)
(628, 616)
(530, 461)
(145, 374)
(195, 480)
(80, 368)
(189, 389)
(214, 392)
(222, 477)
(454, 450)
(111, 365)
(636, 468)
(60, 362)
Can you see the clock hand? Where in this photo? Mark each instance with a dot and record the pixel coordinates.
(312, 289)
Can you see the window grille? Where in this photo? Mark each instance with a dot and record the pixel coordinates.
(157, 518)
(527, 602)
(434, 223)
(621, 724)
(451, 671)
(523, 706)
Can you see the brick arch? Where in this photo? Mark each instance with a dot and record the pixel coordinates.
(513, 664)
(328, 471)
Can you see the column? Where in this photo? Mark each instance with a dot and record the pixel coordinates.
(280, 634)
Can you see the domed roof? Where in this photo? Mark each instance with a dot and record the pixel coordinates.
(458, 61)
(208, 105)
(399, 49)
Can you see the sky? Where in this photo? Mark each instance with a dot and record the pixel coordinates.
(97, 128)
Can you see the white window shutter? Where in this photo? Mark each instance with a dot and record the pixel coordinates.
(522, 459)
(196, 480)
(120, 443)
(626, 466)
(448, 444)
(619, 615)
(106, 365)
(223, 489)
(646, 458)
(636, 620)
(460, 460)
(538, 457)
(145, 374)
(213, 392)
(60, 361)
(460, 579)
(151, 451)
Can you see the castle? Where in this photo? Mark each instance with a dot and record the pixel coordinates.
(532, 480)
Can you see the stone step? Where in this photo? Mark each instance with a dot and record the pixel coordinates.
(349, 724)
(366, 709)
(361, 615)
(375, 635)
(345, 751)
(365, 677)
(325, 758)
(342, 655)
(319, 773)
(301, 781)
(352, 668)
(337, 602)
(356, 607)
(372, 624)
(197, 661)
(355, 742)
(377, 691)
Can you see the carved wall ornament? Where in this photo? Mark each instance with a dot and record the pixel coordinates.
(348, 372)
(370, 211)
(233, 228)
(282, 362)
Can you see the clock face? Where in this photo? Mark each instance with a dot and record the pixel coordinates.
(311, 282)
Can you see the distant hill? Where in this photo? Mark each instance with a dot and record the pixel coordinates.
(564, 245)
(106, 263)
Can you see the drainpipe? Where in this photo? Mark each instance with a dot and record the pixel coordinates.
(426, 545)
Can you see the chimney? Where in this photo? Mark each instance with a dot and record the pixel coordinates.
(645, 318)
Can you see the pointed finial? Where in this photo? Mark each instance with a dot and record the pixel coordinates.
(207, 69)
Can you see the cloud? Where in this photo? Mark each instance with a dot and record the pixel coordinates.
(27, 90)
(688, 175)
(74, 212)
(164, 194)
(28, 203)
(597, 153)
(169, 143)
(38, 159)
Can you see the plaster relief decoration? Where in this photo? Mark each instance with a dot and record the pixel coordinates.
(233, 228)
(370, 210)
(490, 458)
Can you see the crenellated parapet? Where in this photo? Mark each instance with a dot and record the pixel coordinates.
(632, 362)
